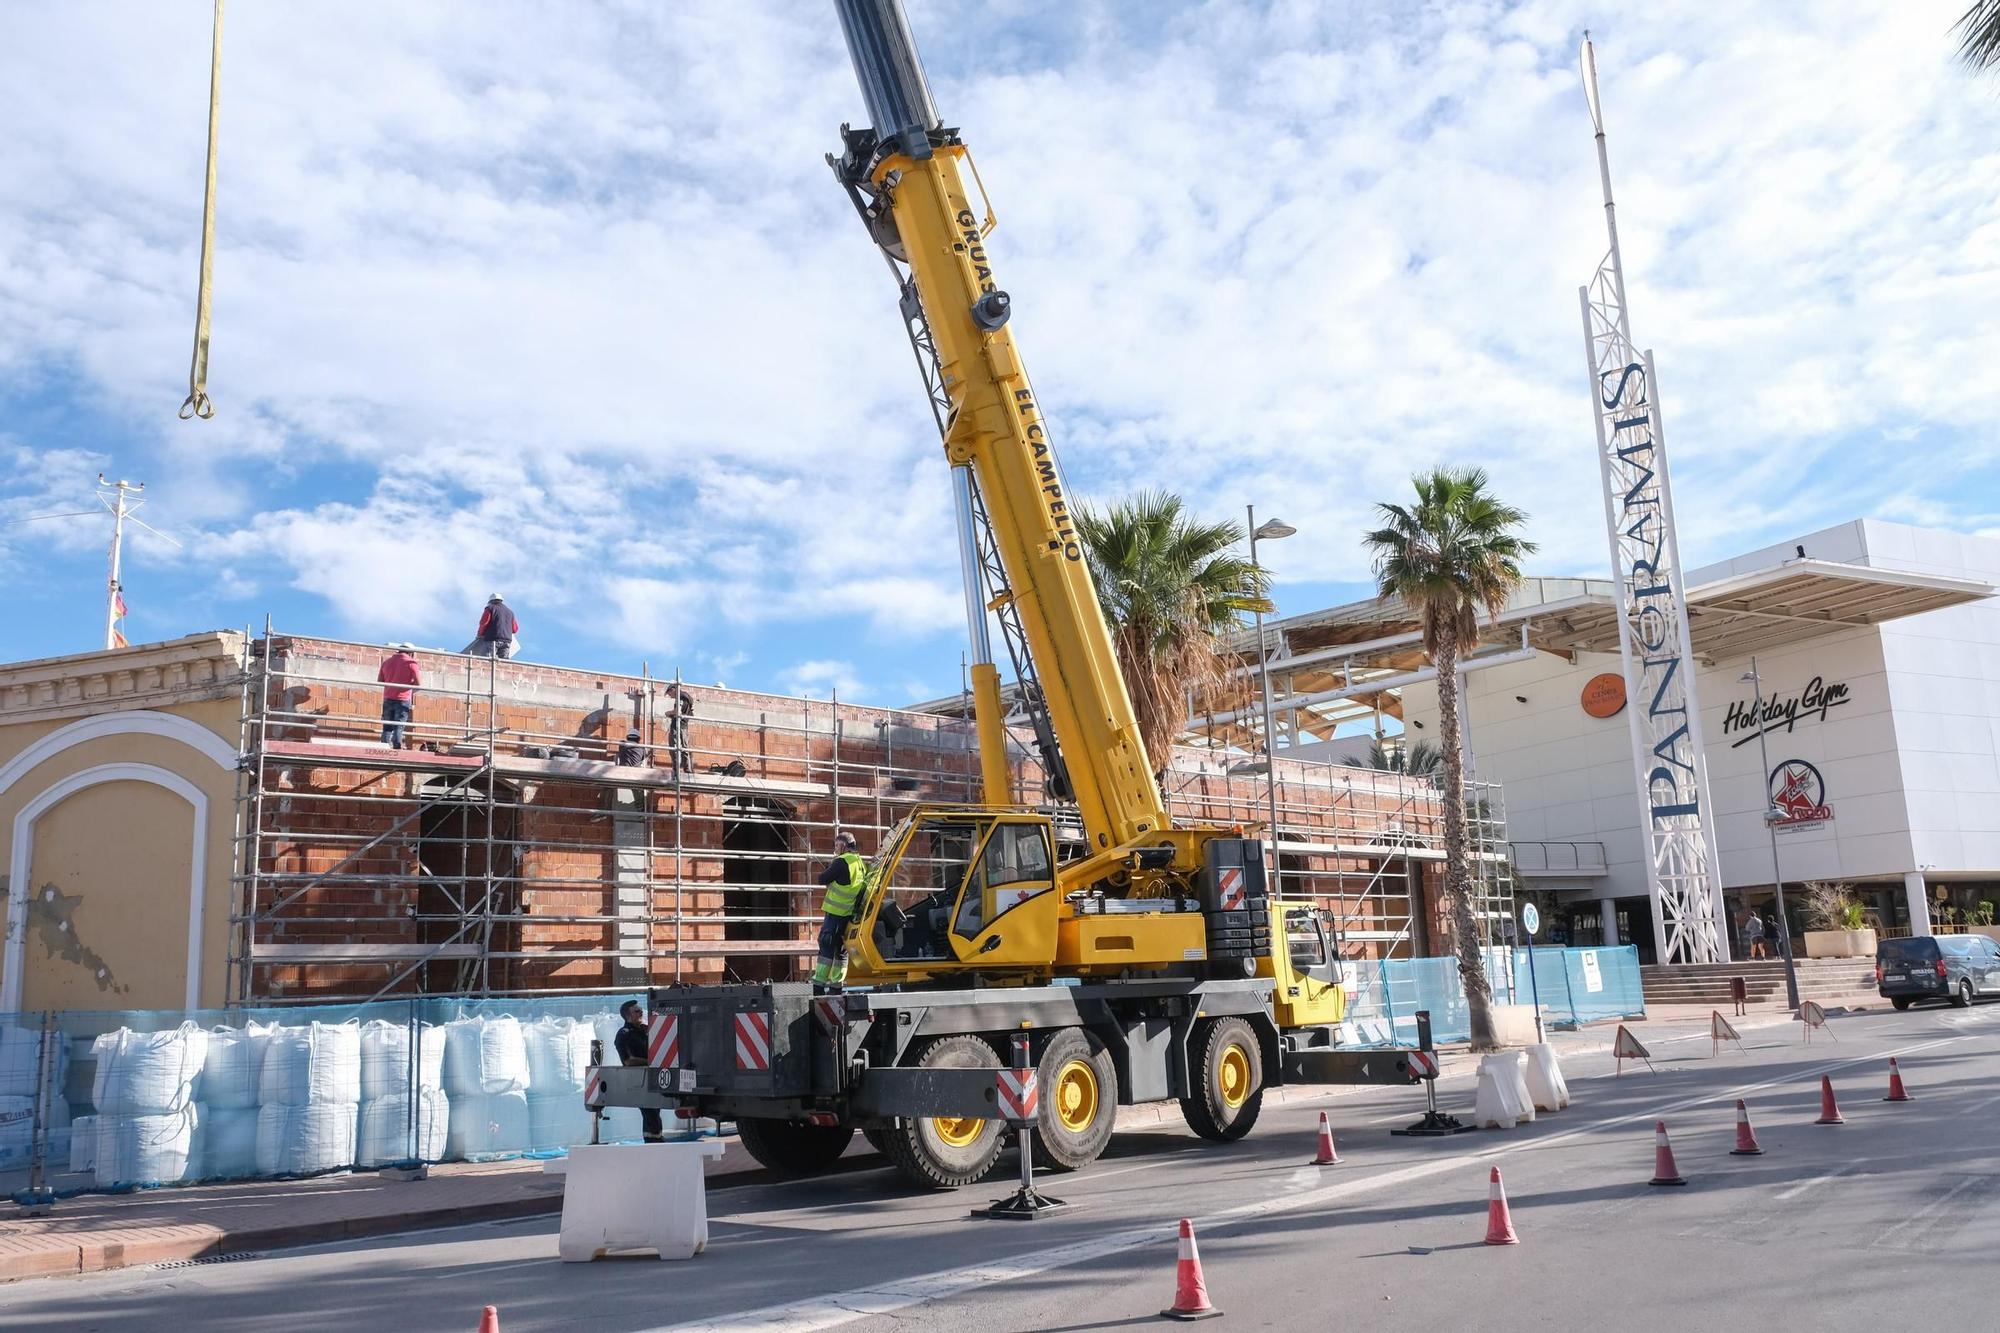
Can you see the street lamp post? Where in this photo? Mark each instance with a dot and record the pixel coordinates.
(1771, 818)
(1273, 529)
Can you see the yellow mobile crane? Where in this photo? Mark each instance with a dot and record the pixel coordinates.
(1142, 963)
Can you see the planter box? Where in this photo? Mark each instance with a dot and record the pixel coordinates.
(1840, 944)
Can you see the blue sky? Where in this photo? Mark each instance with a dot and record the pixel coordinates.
(561, 301)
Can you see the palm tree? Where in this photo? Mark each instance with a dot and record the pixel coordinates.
(1979, 35)
(1451, 553)
(1169, 586)
(1419, 759)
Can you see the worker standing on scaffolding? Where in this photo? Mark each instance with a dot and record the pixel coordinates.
(844, 877)
(399, 678)
(498, 629)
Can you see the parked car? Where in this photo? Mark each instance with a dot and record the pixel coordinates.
(1937, 967)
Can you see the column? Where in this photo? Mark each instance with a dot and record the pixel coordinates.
(1917, 902)
(1607, 915)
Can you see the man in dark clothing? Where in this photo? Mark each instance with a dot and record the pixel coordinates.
(632, 754)
(679, 709)
(498, 628)
(631, 1044)
(399, 677)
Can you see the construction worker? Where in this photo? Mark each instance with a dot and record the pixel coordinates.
(498, 628)
(399, 677)
(844, 878)
(679, 709)
(631, 1045)
(632, 754)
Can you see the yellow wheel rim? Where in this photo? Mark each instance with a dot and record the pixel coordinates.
(957, 1131)
(1235, 1073)
(1076, 1095)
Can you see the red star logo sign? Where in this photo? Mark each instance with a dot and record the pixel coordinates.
(1795, 797)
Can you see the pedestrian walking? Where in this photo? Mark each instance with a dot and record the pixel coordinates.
(400, 678)
(1753, 936)
(499, 627)
(631, 1046)
(844, 878)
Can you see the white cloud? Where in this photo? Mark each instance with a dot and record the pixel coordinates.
(821, 678)
(565, 300)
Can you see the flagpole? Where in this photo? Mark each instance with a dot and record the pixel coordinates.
(1589, 61)
(111, 591)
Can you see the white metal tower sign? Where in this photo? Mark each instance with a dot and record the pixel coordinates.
(1664, 714)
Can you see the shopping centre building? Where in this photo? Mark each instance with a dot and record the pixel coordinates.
(1877, 743)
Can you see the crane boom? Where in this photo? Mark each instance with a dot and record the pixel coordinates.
(909, 175)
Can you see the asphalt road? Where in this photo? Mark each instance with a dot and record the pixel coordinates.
(1887, 1221)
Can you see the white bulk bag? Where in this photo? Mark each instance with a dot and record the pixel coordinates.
(17, 1131)
(21, 1057)
(385, 1129)
(145, 1149)
(486, 1125)
(225, 1142)
(385, 1058)
(558, 1054)
(561, 1121)
(147, 1073)
(83, 1143)
(484, 1056)
(317, 1063)
(301, 1140)
(235, 1060)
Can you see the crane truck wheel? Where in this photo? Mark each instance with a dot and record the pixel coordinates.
(1229, 1091)
(1078, 1101)
(940, 1152)
(792, 1148)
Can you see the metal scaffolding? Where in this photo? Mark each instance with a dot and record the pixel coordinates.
(503, 858)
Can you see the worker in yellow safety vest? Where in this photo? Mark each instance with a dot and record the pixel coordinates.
(844, 878)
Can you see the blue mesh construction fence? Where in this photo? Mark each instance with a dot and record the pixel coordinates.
(112, 1099)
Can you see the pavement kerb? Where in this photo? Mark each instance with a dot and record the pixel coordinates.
(23, 1256)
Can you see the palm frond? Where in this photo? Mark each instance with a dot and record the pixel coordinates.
(1979, 35)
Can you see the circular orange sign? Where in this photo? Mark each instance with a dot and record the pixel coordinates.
(1604, 695)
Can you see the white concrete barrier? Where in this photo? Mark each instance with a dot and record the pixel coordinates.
(1546, 1087)
(1502, 1100)
(649, 1196)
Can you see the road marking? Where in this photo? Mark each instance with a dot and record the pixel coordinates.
(1980, 1106)
(824, 1312)
(1922, 1218)
(1806, 1185)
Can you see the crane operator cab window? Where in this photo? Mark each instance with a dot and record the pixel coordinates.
(1013, 868)
(915, 918)
(955, 877)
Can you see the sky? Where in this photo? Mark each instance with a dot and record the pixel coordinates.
(561, 301)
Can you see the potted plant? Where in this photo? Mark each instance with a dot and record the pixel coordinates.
(1980, 921)
(1837, 922)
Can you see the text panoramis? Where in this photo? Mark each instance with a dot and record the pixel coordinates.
(1653, 605)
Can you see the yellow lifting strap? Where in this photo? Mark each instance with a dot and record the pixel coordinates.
(197, 404)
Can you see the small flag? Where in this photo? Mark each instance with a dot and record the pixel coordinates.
(118, 601)
(118, 639)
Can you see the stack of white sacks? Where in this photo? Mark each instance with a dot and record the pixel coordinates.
(146, 1112)
(390, 1132)
(486, 1083)
(21, 1058)
(226, 1099)
(309, 1099)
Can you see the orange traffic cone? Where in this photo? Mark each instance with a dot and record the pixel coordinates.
(1664, 1170)
(1499, 1222)
(1190, 1292)
(1326, 1155)
(1829, 1113)
(1896, 1093)
(1746, 1139)
(489, 1321)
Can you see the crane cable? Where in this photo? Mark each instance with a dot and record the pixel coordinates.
(198, 404)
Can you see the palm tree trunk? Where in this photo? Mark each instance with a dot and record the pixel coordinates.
(1457, 860)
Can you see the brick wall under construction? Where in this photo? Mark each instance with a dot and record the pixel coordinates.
(503, 850)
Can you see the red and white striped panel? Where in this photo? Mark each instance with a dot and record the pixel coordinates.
(753, 1040)
(663, 1044)
(1422, 1064)
(832, 1015)
(593, 1092)
(1230, 882)
(1020, 1093)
